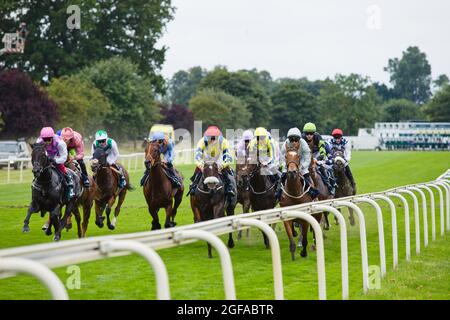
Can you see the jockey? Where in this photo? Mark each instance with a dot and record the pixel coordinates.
(295, 141)
(339, 143)
(266, 150)
(242, 146)
(213, 145)
(57, 152)
(74, 141)
(321, 152)
(110, 147)
(166, 147)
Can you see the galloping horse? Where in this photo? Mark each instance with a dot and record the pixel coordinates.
(262, 190)
(324, 193)
(243, 192)
(49, 192)
(294, 192)
(86, 201)
(344, 187)
(158, 190)
(107, 180)
(209, 201)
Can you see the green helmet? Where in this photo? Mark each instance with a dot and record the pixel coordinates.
(101, 135)
(309, 127)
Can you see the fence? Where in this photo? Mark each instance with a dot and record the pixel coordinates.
(37, 259)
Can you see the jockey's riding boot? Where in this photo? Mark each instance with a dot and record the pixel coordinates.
(146, 173)
(349, 175)
(122, 181)
(176, 183)
(195, 179)
(313, 192)
(227, 181)
(69, 183)
(84, 174)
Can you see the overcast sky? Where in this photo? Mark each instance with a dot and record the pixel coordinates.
(306, 38)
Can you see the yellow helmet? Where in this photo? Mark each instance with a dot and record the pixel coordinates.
(260, 132)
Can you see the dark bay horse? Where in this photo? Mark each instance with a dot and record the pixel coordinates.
(262, 190)
(295, 192)
(107, 180)
(49, 193)
(209, 201)
(324, 193)
(243, 192)
(344, 187)
(158, 189)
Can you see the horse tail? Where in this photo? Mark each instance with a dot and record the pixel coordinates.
(130, 187)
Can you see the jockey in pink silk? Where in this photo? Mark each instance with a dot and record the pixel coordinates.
(74, 141)
(57, 152)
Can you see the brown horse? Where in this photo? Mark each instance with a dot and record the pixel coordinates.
(262, 190)
(344, 187)
(86, 201)
(324, 193)
(107, 180)
(243, 192)
(294, 192)
(209, 202)
(158, 189)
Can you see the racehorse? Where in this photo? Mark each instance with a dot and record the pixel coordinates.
(295, 192)
(86, 201)
(344, 187)
(261, 189)
(158, 189)
(209, 201)
(49, 193)
(243, 193)
(324, 193)
(107, 180)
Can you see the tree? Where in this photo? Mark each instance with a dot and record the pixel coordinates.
(396, 110)
(107, 28)
(411, 75)
(263, 78)
(216, 107)
(293, 106)
(183, 85)
(350, 102)
(178, 116)
(81, 105)
(441, 81)
(240, 84)
(384, 92)
(24, 107)
(438, 109)
(133, 109)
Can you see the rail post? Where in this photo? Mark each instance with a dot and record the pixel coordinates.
(433, 212)
(424, 214)
(416, 216)
(441, 205)
(407, 223)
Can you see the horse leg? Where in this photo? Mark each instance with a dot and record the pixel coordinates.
(55, 218)
(209, 251)
(230, 212)
(108, 212)
(177, 201)
(30, 211)
(46, 224)
(304, 226)
(99, 215)
(168, 223)
(122, 195)
(68, 222)
(327, 223)
(351, 217)
(288, 227)
(76, 213)
(155, 219)
(86, 215)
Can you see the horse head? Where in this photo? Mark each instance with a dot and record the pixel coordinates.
(338, 160)
(211, 174)
(292, 162)
(39, 159)
(98, 160)
(153, 153)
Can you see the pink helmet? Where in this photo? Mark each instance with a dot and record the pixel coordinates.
(47, 132)
(213, 131)
(67, 133)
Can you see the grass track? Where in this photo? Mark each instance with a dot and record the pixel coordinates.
(193, 276)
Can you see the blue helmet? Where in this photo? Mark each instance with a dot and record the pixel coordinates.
(158, 135)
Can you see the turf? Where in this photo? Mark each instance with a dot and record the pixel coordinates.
(193, 276)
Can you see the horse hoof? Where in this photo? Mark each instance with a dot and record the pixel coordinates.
(44, 227)
(293, 257)
(68, 226)
(48, 232)
(156, 226)
(26, 229)
(99, 224)
(56, 238)
(313, 248)
(352, 221)
(111, 227)
(303, 254)
(327, 227)
(294, 233)
(231, 244)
